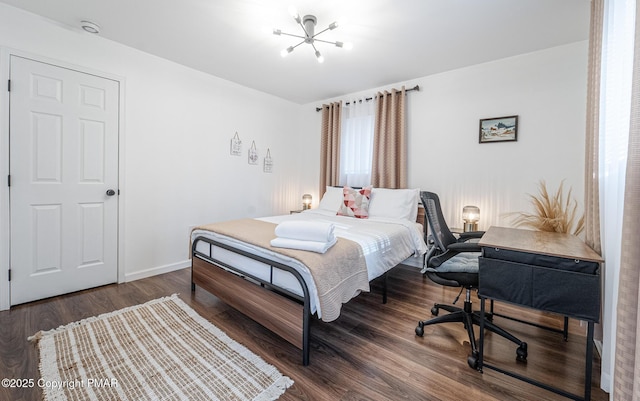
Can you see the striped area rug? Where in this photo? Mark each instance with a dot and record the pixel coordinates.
(160, 350)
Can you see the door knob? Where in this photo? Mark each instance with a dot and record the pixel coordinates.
(110, 192)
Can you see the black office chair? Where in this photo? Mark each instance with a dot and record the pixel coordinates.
(453, 262)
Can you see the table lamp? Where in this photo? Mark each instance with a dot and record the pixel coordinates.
(306, 201)
(470, 216)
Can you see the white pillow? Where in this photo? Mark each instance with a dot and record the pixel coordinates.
(331, 200)
(394, 203)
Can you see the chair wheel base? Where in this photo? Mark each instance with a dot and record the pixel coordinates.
(435, 310)
(420, 329)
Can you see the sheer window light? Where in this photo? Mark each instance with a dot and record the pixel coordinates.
(614, 139)
(356, 144)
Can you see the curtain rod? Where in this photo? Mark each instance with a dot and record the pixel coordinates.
(415, 88)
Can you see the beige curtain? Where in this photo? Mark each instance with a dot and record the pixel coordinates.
(390, 140)
(627, 365)
(592, 148)
(330, 146)
(592, 184)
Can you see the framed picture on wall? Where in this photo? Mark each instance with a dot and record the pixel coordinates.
(236, 145)
(253, 153)
(499, 129)
(268, 162)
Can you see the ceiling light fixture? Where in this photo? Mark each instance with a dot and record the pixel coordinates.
(90, 26)
(308, 25)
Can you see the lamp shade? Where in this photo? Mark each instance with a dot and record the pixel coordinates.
(306, 201)
(471, 214)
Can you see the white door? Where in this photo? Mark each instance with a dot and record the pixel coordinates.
(63, 150)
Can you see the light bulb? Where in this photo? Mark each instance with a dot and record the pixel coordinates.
(286, 51)
(471, 214)
(320, 57)
(347, 46)
(294, 14)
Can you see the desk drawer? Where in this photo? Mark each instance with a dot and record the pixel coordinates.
(565, 292)
(535, 259)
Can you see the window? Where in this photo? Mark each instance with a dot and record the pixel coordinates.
(615, 106)
(356, 143)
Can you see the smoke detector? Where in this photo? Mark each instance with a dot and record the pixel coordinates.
(90, 27)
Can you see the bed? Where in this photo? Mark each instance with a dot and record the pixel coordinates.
(283, 288)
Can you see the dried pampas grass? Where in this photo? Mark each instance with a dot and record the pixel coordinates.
(552, 213)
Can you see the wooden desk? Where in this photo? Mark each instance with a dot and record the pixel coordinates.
(539, 242)
(552, 272)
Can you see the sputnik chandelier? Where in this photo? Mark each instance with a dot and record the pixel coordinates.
(308, 25)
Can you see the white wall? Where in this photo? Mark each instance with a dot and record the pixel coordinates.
(546, 89)
(177, 171)
(177, 128)
(178, 122)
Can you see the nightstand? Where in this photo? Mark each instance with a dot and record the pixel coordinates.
(295, 211)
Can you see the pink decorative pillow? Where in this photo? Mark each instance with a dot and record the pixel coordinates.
(355, 202)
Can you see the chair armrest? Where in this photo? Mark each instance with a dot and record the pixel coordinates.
(470, 234)
(459, 247)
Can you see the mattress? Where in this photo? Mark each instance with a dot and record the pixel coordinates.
(385, 243)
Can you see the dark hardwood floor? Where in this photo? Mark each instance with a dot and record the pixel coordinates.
(369, 353)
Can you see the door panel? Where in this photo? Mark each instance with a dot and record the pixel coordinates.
(47, 147)
(63, 158)
(47, 229)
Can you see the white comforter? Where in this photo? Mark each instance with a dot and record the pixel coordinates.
(385, 243)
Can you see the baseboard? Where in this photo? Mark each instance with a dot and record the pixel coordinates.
(598, 346)
(154, 271)
(605, 384)
(605, 379)
(4, 302)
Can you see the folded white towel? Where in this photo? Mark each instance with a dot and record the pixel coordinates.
(306, 230)
(313, 246)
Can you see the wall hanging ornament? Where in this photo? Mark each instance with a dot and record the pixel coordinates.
(268, 162)
(236, 145)
(253, 153)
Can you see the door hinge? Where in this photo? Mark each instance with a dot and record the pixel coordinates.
(9, 180)
(9, 85)
(9, 274)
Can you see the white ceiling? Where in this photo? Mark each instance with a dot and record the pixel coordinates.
(394, 40)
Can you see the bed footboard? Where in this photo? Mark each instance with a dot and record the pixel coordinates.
(273, 307)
